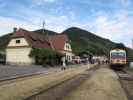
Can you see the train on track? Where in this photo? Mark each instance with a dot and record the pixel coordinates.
(118, 59)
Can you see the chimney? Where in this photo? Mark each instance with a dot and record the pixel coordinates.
(14, 29)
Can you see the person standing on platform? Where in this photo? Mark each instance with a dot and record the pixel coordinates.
(63, 63)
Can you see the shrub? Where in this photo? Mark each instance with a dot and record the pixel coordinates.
(46, 56)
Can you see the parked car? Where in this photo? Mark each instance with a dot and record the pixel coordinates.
(76, 59)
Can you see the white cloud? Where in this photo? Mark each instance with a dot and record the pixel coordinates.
(40, 2)
(7, 24)
(34, 21)
(125, 2)
(117, 27)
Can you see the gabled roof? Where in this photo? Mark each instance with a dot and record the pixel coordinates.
(58, 41)
(34, 39)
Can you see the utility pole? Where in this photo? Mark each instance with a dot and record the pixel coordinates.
(43, 27)
(46, 35)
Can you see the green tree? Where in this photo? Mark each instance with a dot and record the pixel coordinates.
(45, 56)
(120, 46)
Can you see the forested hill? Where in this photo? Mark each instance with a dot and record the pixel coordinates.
(4, 40)
(83, 40)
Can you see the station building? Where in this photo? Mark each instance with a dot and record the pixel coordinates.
(23, 41)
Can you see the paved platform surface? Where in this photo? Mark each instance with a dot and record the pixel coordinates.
(12, 71)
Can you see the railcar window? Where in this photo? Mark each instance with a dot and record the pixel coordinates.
(119, 54)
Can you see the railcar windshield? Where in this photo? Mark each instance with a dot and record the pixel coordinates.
(118, 55)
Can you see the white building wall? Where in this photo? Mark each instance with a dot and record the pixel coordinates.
(67, 47)
(18, 53)
(18, 56)
(68, 52)
(23, 42)
(68, 55)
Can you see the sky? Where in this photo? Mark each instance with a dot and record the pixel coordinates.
(111, 19)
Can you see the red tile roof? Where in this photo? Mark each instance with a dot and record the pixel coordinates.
(58, 41)
(36, 40)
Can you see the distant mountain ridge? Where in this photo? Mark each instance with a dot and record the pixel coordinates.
(45, 32)
(81, 40)
(84, 40)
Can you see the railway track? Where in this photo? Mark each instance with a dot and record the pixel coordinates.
(59, 91)
(16, 78)
(126, 81)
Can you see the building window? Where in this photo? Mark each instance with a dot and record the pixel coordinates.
(69, 58)
(67, 46)
(17, 41)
